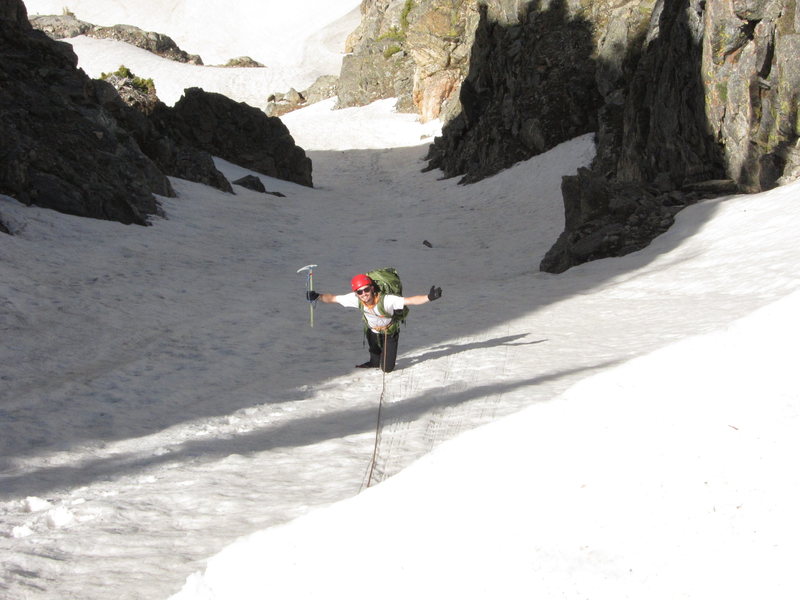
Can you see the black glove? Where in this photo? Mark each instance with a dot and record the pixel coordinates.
(435, 293)
(311, 295)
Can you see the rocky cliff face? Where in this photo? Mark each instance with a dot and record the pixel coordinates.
(689, 98)
(530, 86)
(413, 50)
(239, 133)
(60, 149)
(708, 104)
(74, 145)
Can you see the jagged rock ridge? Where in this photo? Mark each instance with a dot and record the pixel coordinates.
(60, 27)
(72, 144)
(708, 106)
(60, 148)
(236, 132)
(689, 99)
(416, 51)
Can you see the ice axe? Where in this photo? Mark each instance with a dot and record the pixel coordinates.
(309, 286)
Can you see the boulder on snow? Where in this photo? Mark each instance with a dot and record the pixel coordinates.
(237, 132)
(134, 114)
(67, 26)
(323, 88)
(251, 182)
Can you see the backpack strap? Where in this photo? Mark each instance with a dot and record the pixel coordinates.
(389, 329)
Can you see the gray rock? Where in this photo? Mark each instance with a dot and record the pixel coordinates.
(172, 157)
(61, 149)
(237, 132)
(251, 182)
(531, 85)
(243, 62)
(416, 51)
(709, 108)
(67, 26)
(323, 88)
(60, 27)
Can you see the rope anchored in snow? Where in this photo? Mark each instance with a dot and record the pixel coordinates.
(374, 458)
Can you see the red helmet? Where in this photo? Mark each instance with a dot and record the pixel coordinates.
(359, 281)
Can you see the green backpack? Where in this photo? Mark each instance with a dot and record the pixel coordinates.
(388, 282)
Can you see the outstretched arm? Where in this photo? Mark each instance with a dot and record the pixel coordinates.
(434, 294)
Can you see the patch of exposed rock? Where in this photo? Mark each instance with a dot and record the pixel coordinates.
(416, 51)
(102, 149)
(281, 103)
(243, 62)
(707, 105)
(61, 27)
(60, 148)
(251, 182)
(239, 133)
(142, 98)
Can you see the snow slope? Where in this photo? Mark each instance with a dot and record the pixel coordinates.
(296, 46)
(268, 31)
(624, 430)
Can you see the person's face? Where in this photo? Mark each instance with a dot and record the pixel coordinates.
(365, 293)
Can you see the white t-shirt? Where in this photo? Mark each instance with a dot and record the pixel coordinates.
(377, 322)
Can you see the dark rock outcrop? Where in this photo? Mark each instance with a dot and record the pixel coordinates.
(141, 97)
(530, 87)
(132, 108)
(326, 86)
(60, 148)
(708, 107)
(103, 149)
(61, 27)
(239, 133)
(688, 99)
(604, 219)
(251, 182)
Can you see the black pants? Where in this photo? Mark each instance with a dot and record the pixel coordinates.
(382, 350)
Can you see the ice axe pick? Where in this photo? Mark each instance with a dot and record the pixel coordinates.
(309, 286)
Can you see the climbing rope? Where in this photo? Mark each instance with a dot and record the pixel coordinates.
(374, 459)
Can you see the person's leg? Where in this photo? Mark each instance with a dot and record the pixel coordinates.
(389, 355)
(374, 351)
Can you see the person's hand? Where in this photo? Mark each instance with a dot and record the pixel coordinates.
(311, 295)
(435, 293)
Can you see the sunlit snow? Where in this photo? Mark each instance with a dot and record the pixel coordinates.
(172, 427)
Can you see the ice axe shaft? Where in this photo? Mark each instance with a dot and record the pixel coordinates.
(309, 286)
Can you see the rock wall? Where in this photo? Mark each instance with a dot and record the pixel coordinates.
(74, 145)
(531, 85)
(60, 149)
(710, 106)
(751, 74)
(413, 50)
(688, 98)
(239, 133)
